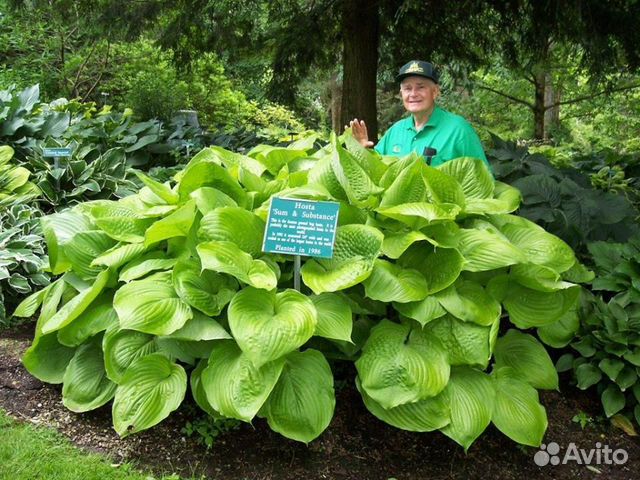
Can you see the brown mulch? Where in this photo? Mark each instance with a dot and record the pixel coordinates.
(355, 446)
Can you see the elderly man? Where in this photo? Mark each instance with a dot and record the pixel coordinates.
(429, 130)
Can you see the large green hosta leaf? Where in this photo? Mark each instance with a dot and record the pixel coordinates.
(78, 304)
(466, 343)
(267, 325)
(471, 394)
(119, 255)
(122, 347)
(335, 318)
(472, 174)
(121, 223)
(356, 248)
(517, 411)
(442, 187)
(531, 308)
(197, 390)
(208, 199)
(47, 359)
(487, 250)
(395, 244)
(422, 416)
(86, 385)
(527, 358)
(83, 248)
(204, 290)
(468, 301)
(560, 333)
(59, 229)
(301, 404)
(507, 199)
(389, 282)
(176, 224)
(352, 176)
(233, 224)
(145, 264)
(420, 214)
(149, 391)
(151, 306)
(401, 365)
(98, 317)
(234, 386)
(439, 266)
(226, 257)
(423, 311)
(407, 185)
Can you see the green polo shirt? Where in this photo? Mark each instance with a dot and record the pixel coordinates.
(449, 134)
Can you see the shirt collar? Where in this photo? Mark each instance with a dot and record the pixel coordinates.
(434, 119)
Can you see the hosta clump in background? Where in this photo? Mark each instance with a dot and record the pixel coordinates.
(169, 288)
(608, 343)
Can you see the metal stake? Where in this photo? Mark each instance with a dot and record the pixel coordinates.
(296, 272)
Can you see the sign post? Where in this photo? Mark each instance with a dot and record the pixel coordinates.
(56, 153)
(300, 227)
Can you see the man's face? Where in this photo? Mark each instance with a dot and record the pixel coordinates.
(418, 94)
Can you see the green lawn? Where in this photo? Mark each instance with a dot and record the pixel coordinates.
(33, 453)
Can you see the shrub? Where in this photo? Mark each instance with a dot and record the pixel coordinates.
(173, 280)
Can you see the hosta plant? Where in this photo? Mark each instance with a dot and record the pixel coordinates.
(168, 289)
(15, 186)
(606, 353)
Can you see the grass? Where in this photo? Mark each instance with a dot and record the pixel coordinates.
(37, 453)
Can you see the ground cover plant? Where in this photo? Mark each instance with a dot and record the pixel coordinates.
(606, 350)
(168, 289)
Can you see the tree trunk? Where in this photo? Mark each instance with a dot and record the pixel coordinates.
(539, 106)
(335, 103)
(360, 24)
(551, 114)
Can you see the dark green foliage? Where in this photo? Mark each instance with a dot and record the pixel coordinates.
(563, 201)
(22, 256)
(608, 343)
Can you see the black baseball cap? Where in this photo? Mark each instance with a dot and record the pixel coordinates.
(419, 68)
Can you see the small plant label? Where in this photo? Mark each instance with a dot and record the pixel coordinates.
(56, 152)
(301, 227)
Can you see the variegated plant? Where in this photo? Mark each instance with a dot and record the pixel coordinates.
(171, 284)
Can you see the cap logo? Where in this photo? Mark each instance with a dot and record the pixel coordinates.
(414, 67)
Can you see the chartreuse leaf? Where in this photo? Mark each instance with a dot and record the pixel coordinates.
(274, 158)
(351, 175)
(538, 277)
(487, 250)
(30, 305)
(423, 311)
(420, 214)
(232, 159)
(439, 266)
(507, 199)
(121, 223)
(161, 190)
(98, 317)
(204, 171)
(204, 290)
(517, 411)
(176, 224)
(472, 174)
(301, 404)
(407, 185)
(468, 301)
(527, 358)
(234, 386)
(83, 248)
(395, 244)
(471, 394)
(335, 318)
(539, 246)
(119, 255)
(368, 159)
(531, 308)
(197, 390)
(200, 328)
(466, 343)
(267, 325)
(145, 264)
(208, 199)
(47, 359)
(78, 304)
(356, 248)
(151, 306)
(59, 229)
(389, 282)
(151, 388)
(560, 333)
(233, 224)
(401, 365)
(121, 347)
(227, 257)
(422, 416)
(442, 187)
(86, 385)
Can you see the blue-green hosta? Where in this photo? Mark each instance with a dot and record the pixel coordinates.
(170, 287)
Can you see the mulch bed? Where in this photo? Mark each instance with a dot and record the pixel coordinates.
(355, 446)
